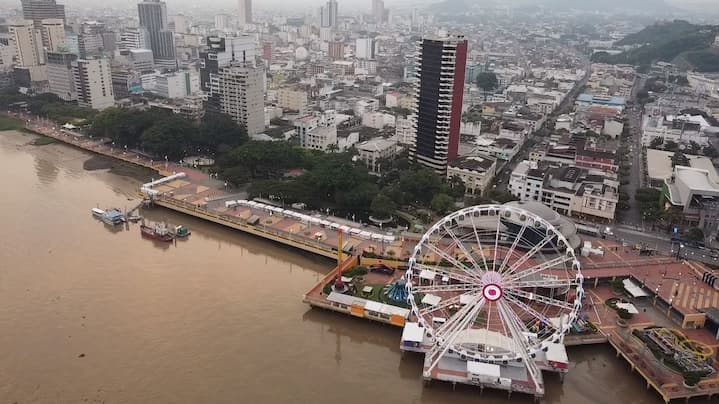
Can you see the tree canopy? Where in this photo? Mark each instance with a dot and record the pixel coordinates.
(487, 81)
(382, 206)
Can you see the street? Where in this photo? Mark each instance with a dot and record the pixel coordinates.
(633, 216)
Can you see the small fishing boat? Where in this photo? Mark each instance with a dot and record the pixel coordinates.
(157, 232)
(181, 231)
(134, 218)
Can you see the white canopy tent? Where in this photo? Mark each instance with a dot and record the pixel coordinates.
(634, 289)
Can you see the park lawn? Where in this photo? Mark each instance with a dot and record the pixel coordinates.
(9, 123)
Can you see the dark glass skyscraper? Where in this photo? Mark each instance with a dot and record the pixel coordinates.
(440, 67)
(153, 18)
(38, 10)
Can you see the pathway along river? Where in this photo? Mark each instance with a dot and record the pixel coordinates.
(92, 315)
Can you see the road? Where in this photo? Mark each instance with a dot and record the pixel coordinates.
(633, 216)
(501, 180)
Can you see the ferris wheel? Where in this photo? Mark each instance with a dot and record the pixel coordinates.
(493, 284)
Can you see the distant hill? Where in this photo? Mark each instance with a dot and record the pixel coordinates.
(666, 42)
(660, 32)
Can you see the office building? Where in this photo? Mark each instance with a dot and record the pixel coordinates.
(136, 59)
(292, 99)
(336, 50)
(239, 91)
(126, 82)
(134, 38)
(39, 10)
(365, 48)
(328, 14)
(27, 45)
(93, 83)
(244, 11)
(317, 131)
(222, 22)
(221, 51)
(53, 33)
(439, 92)
(177, 84)
(60, 75)
(378, 11)
(153, 18)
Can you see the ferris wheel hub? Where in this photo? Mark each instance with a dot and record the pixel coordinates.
(492, 289)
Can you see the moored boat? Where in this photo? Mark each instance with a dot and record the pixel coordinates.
(181, 231)
(157, 232)
(134, 218)
(113, 217)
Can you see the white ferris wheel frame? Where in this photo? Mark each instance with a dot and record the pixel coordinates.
(478, 283)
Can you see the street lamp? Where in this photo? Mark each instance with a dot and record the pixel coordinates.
(679, 250)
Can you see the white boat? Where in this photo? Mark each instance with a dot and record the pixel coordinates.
(97, 212)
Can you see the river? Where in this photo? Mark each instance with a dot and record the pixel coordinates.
(92, 315)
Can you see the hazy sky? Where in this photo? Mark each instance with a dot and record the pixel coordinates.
(348, 5)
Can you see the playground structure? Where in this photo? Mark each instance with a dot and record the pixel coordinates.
(682, 353)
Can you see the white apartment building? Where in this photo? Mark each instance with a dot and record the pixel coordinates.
(134, 38)
(178, 84)
(27, 45)
(241, 96)
(364, 106)
(93, 83)
(317, 132)
(526, 181)
(570, 191)
(377, 120)
(365, 48)
(475, 171)
(403, 130)
(53, 33)
(373, 151)
(501, 148)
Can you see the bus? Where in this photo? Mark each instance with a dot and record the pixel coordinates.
(594, 231)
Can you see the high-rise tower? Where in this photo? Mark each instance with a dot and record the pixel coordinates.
(153, 18)
(439, 89)
(245, 11)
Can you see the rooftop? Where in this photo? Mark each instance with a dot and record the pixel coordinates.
(474, 163)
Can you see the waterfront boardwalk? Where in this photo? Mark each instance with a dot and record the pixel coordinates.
(676, 290)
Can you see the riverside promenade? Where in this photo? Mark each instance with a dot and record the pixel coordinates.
(675, 288)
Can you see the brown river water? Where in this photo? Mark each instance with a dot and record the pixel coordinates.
(92, 315)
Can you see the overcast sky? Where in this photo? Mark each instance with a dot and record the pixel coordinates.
(348, 5)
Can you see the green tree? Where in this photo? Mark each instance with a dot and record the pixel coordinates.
(169, 137)
(420, 185)
(679, 159)
(656, 143)
(671, 145)
(487, 81)
(695, 234)
(219, 133)
(442, 203)
(710, 151)
(382, 206)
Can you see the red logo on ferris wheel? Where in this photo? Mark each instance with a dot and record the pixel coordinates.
(492, 292)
